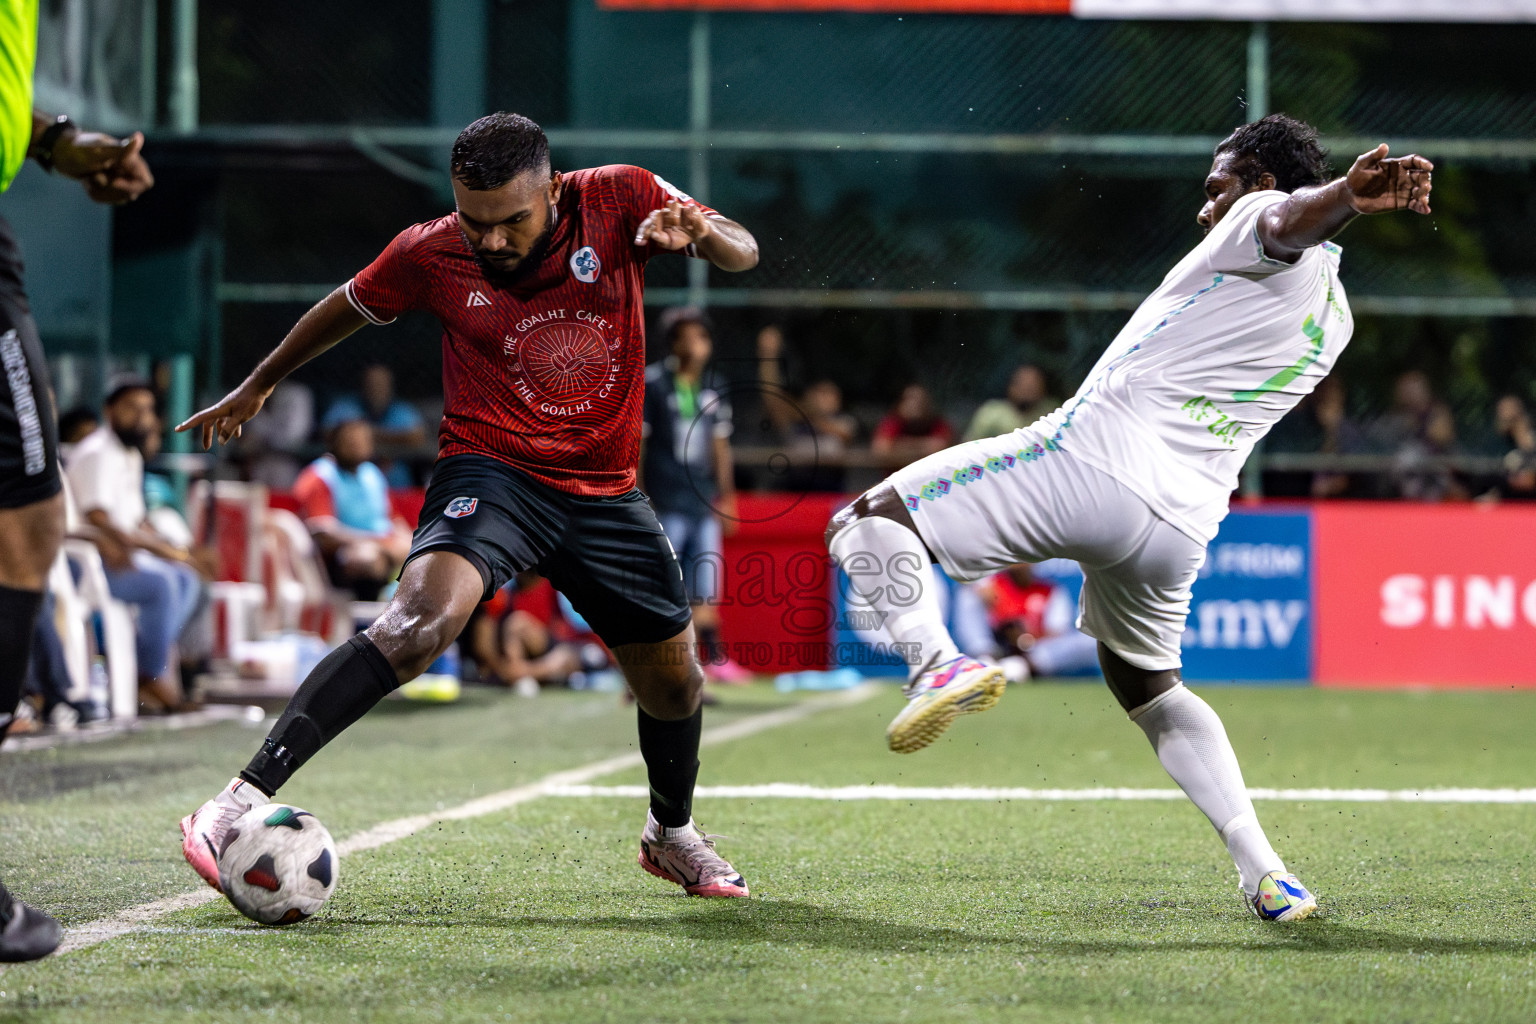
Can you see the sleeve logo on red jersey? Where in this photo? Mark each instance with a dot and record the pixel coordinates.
(458, 508)
(585, 264)
(672, 190)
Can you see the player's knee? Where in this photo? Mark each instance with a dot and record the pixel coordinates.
(413, 638)
(881, 501)
(679, 695)
(840, 521)
(671, 695)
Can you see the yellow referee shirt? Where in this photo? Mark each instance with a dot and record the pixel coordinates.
(18, 55)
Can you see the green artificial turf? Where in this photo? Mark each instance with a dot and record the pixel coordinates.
(868, 911)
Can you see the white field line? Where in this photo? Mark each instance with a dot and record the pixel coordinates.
(136, 918)
(796, 791)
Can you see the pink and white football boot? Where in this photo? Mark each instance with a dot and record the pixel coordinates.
(202, 831)
(960, 686)
(687, 856)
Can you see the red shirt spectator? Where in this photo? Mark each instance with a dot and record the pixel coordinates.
(912, 429)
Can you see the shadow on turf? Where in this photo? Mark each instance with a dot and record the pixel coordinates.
(487, 696)
(807, 924)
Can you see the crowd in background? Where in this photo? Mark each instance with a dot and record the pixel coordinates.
(706, 436)
(795, 430)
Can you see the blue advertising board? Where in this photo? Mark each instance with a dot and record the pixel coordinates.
(1250, 619)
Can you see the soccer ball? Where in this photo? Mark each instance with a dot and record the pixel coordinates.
(278, 864)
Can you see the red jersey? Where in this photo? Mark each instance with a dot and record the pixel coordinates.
(548, 374)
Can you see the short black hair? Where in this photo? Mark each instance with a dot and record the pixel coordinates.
(496, 149)
(672, 321)
(1281, 145)
(73, 421)
(125, 384)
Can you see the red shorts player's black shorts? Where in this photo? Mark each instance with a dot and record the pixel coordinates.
(29, 426)
(609, 556)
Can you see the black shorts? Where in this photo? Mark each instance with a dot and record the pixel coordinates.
(29, 424)
(609, 556)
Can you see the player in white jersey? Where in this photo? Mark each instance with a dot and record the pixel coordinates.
(1131, 477)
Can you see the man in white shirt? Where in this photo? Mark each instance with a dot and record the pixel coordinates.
(106, 478)
(1131, 477)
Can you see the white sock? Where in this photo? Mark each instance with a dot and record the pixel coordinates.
(1194, 749)
(888, 571)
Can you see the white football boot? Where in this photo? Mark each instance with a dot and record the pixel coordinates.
(204, 829)
(688, 858)
(961, 686)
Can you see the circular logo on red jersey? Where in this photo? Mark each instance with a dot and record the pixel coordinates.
(565, 362)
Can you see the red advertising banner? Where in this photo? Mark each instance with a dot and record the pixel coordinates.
(1442, 595)
(775, 595)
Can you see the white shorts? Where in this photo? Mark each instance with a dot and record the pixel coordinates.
(989, 504)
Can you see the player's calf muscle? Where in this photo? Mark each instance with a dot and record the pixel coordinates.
(414, 637)
(437, 594)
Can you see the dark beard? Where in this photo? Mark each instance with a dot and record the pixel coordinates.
(525, 267)
(134, 438)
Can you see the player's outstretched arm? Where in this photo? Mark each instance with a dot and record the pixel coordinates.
(1375, 184)
(723, 242)
(328, 321)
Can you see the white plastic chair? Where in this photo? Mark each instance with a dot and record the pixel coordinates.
(116, 626)
(70, 617)
(301, 595)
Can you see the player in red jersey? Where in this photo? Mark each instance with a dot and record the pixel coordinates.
(537, 279)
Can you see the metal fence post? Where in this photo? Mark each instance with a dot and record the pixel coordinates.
(698, 154)
(458, 61)
(184, 86)
(149, 24)
(1258, 70)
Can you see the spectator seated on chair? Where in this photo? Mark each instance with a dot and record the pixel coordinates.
(521, 639)
(1034, 623)
(344, 500)
(48, 680)
(106, 476)
(394, 420)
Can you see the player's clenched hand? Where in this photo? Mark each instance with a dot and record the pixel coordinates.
(1378, 183)
(225, 418)
(112, 170)
(673, 226)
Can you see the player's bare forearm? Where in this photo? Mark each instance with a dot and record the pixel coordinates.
(725, 468)
(40, 123)
(1310, 217)
(327, 322)
(1374, 184)
(728, 246)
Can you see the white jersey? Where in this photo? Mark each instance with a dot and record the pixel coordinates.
(1226, 345)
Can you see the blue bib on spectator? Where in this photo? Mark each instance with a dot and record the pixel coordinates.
(361, 497)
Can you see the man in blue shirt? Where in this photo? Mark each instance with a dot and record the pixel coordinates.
(344, 500)
(394, 421)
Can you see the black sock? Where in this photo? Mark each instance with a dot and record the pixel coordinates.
(342, 688)
(18, 615)
(710, 651)
(671, 752)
